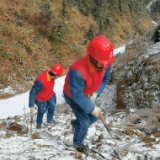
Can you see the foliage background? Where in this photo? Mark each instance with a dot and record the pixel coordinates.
(36, 34)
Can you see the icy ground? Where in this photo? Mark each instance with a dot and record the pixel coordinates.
(130, 129)
(54, 139)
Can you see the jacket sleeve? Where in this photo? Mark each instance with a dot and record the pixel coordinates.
(37, 87)
(105, 80)
(77, 85)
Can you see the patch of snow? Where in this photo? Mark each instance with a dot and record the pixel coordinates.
(9, 90)
(154, 49)
(18, 105)
(119, 50)
(155, 23)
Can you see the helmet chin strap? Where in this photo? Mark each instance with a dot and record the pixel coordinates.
(100, 68)
(95, 62)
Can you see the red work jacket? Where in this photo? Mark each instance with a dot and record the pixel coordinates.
(47, 91)
(92, 78)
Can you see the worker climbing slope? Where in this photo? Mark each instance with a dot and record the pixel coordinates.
(85, 81)
(42, 94)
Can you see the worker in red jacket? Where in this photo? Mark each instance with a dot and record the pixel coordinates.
(42, 94)
(88, 77)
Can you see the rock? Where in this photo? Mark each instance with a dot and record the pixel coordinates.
(44, 146)
(23, 131)
(157, 134)
(19, 129)
(78, 155)
(15, 127)
(148, 140)
(101, 137)
(36, 136)
(3, 124)
(9, 135)
(20, 22)
(43, 135)
(158, 142)
(139, 134)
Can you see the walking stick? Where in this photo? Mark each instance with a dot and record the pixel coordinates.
(104, 122)
(31, 122)
(105, 125)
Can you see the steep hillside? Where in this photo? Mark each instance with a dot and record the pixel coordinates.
(137, 73)
(37, 34)
(153, 8)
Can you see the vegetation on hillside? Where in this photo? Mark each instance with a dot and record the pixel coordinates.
(37, 34)
(137, 73)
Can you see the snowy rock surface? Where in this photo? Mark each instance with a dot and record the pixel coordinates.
(50, 143)
(138, 80)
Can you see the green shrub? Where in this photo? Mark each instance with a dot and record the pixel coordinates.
(59, 32)
(45, 7)
(98, 9)
(91, 33)
(28, 48)
(64, 8)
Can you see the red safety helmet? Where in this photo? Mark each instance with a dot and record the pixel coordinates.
(101, 49)
(57, 69)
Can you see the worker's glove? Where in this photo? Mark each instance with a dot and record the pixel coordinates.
(31, 110)
(96, 111)
(93, 96)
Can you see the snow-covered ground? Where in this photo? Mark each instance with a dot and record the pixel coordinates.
(18, 104)
(56, 140)
(119, 50)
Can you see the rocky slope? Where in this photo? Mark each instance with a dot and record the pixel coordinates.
(138, 76)
(133, 136)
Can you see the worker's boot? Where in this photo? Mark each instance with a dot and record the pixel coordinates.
(82, 148)
(52, 122)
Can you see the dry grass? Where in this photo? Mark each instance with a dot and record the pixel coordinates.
(136, 48)
(18, 88)
(16, 42)
(125, 27)
(27, 52)
(133, 127)
(120, 101)
(149, 116)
